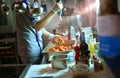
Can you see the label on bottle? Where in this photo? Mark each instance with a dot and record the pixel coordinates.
(109, 46)
(109, 35)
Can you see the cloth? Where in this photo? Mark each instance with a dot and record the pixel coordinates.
(29, 46)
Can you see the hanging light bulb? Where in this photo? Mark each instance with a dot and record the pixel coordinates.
(4, 8)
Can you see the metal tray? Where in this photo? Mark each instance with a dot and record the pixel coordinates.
(48, 54)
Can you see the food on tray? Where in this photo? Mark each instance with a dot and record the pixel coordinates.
(60, 45)
(58, 40)
(59, 48)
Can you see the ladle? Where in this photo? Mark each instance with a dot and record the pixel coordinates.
(18, 6)
(4, 8)
(35, 11)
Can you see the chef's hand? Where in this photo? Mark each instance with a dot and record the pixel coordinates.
(58, 39)
(58, 7)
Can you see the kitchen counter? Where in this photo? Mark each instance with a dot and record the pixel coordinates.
(46, 71)
(43, 71)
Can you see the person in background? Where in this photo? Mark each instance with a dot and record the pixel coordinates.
(30, 29)
(65, 33)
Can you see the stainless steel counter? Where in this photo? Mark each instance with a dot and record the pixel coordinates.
(46, 71)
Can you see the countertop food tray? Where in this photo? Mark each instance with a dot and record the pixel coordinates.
(48, 54)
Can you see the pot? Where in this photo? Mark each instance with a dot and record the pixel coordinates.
(59, 61)
(18, 7)
(4, 8)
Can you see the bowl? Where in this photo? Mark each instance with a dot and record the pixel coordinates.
(79, 69)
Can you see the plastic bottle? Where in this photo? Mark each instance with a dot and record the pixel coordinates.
(91, 44)
(109, 37)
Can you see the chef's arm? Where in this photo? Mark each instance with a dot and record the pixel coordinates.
(47, 18)
(52, 37)
(48, 34)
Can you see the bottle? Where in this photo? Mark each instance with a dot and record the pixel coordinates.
(109, 37)
(96, 63)
(83, 45)
(91, 44)
(77, 53)
(77, 50)
(108, 27)
(84, 52)
(72, 33)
